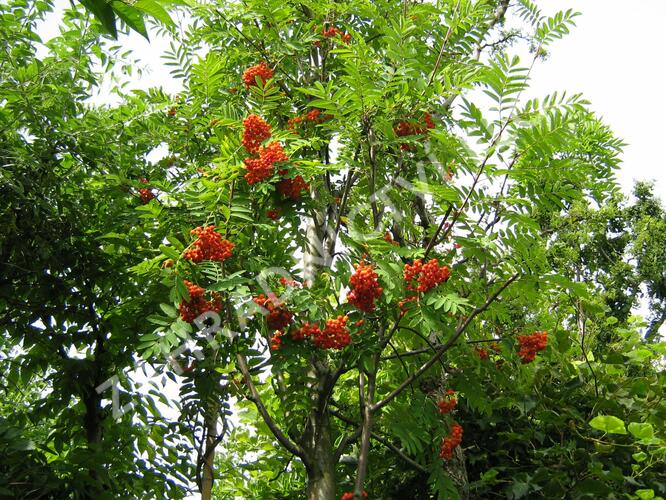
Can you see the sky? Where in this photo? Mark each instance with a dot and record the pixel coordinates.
(612, 57)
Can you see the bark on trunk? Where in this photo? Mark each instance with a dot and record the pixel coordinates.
(321, 470)
(208, 472)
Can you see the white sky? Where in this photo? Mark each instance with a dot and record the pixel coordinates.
(612, 57)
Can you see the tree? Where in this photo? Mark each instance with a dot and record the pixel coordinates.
(365, 275)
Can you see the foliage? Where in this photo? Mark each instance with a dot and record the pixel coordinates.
(399, 142)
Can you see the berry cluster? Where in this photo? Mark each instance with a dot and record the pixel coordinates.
(273, 213)
(292, 188)
(278, 317)
(208, 246)
(531, 344)
(307, 330)
(255, 131)
(145, 193)
(365, 288)
(260, 70)
(482, 353)
(334, 336)
(448, 404)
(312, 116)
(276, 340)
(427, 276)
(292, 283)
(450, 442)
(350, 495)
(405, 128)
(262, 167)
(198, 304)
(333, 32)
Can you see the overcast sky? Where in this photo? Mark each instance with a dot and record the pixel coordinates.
(615, 58)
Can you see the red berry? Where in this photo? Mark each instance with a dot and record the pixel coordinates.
(197, 304)
(262, 168)
(427, 276)
(255, 131)
(365, 288)
(450, 442)
(261, 70)
(209, 245)
(531, 344)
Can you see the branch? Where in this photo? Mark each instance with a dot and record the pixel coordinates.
(376, 437)
(256, 399)
(444, 347)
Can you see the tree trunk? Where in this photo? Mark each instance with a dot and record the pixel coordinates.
(208, 472)
(321, 470)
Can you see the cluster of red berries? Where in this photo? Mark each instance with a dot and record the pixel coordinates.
(531, 344)
(350, 495)
(388, 238)
(332, 32)
(448, 404)
(255, 131)
(273, 213)
(262, 167)
(278, 316)
(312, 116)
(427, 276)
(276, 340)
(334, 336)
(365, 288)
(197, 305)
(405, 128)
(292, 188)
(450, 442)
(292, 283)
(145, 193)
(261, 70)
(209, 245)
(484, 354)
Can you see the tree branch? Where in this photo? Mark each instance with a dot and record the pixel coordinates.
(444, 347)
(256, 399)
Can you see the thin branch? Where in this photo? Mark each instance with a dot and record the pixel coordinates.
(444, 347)
(256, 399)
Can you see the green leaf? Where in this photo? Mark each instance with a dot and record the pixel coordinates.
(608, 424)
(104, 14)
(155, 10)
(641, 430)
(169, 310)
(131, 16)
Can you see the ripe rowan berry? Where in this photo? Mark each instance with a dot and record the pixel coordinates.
(447, 404)
(531, 344)
(292, 283)
(276, 340)
(262, 167)
(292, 188)
(197, 305)
(350, 495)
(450, 442)
(255, 131)
(260, 70)
(427, 276)
(273, 213)
(365, 288)
(481, 353)
(209, 245)
(334, 336)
